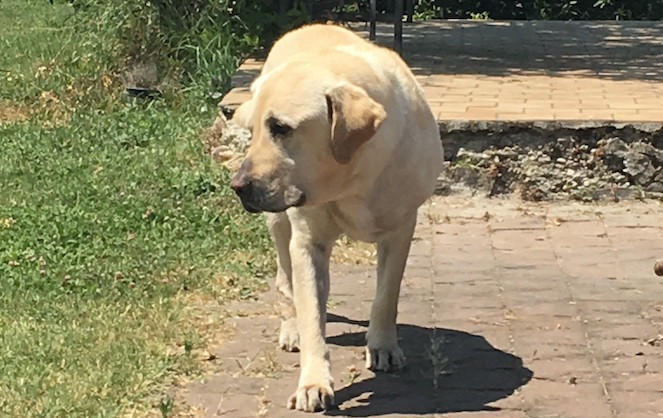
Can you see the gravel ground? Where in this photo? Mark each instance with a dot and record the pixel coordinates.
(564, 168)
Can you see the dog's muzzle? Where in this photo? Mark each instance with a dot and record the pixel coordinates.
(256, 196)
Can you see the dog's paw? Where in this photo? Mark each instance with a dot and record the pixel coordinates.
(385, 359)
(312, 398)
(289, 336)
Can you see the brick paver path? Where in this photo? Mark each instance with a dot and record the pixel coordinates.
(474, 70)
(508, 310)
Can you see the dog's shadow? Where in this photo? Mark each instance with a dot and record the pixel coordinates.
(447, 371)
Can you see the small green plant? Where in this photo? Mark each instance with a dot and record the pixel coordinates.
(480, 16)
(166, 406)
(351, 7)
(427, 9)
(464, 161)
(638, 191)
(440, 362)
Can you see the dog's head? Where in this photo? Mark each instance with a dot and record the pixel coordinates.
(306, 128)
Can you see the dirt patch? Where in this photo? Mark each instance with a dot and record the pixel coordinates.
(55, 112)
(10, 112)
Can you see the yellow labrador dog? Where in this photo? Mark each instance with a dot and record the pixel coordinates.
(343, 141)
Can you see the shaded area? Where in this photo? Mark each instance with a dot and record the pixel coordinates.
(244, 77)
(611, 50)
(614, 50)
(447, 371)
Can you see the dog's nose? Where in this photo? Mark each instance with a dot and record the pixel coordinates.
(241, 184)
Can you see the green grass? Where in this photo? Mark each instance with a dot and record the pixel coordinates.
(42, 48)
(114, 225)
(107, 224)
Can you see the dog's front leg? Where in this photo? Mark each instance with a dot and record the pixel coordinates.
(310, 248)
(281, 231)
(382, 350)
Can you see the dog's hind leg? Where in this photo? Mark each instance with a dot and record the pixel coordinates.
(281, 232)
(382, 350)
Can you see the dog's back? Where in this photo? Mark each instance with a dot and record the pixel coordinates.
(308, 39)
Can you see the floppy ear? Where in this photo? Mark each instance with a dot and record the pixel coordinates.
(355, 118)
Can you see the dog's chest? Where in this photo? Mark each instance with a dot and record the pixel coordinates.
(356, 220)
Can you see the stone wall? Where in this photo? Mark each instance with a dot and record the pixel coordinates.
(547, 161)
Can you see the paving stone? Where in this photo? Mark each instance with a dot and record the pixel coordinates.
(532, 73)
(544, 398)
(564, 370)
(622, 368)
(638, 402)
(494, 323)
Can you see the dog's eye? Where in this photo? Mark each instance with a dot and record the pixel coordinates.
(277, 128)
